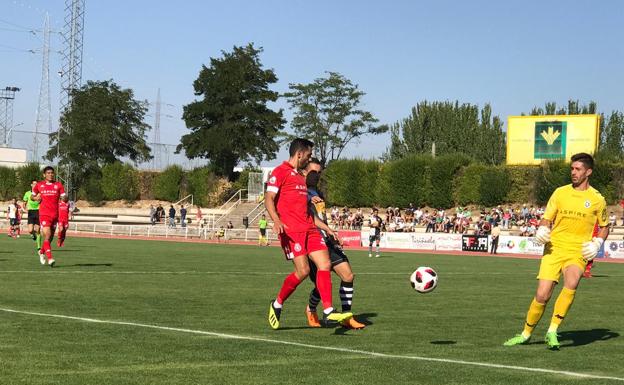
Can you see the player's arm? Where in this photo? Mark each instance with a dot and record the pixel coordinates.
(35, 196)
(590, 248)
(269, 204)
(328, 230)
(542, 235)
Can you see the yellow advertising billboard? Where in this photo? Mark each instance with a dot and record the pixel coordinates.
(533, 139)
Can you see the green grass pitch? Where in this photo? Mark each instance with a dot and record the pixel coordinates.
(215, 293)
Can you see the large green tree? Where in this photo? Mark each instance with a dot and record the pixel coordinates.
(102, 125)
(327, 111)
(232, 123)
(449, 127)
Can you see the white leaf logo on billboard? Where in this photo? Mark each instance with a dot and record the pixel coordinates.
(550, 136)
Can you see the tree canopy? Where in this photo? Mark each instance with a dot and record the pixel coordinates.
(232, 123)
(102, 124)
(327, 111)
(449, 127)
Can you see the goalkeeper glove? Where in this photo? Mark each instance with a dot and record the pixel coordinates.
(591, 248)
(543, 235)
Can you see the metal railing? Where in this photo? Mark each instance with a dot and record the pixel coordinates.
(184, 199)
(228, 206)
(260, 210)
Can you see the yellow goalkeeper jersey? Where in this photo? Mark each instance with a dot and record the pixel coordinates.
(573, 214)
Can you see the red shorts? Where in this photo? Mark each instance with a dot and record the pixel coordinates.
(63, 222)
(47, 221)
(303, 243)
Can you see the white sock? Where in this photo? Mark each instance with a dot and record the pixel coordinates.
(553, 328)
(526, 335)
(328, 310)
(277, 305)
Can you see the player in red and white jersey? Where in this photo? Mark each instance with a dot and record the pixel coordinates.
(286, 201)
(48, 192)
(63, 220)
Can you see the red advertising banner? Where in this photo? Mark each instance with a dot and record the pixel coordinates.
(349, 238)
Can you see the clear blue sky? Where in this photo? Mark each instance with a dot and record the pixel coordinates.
(512, 54)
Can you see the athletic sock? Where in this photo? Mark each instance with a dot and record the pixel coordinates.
(288, 287)
(324, 286)
(346, 295)
(39, 242)
(562, 305)
(377, 250)
(47, 249)
(534, 314)
(314, 300)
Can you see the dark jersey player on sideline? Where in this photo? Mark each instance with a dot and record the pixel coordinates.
(374, 236)
(339, 261)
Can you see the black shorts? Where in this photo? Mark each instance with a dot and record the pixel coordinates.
(336, 255)
(374, 238)
(263, 232)
(33, 217)
(13, 221)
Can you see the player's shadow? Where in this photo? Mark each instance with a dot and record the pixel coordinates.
(86, 265)
(443, 342)
(585, 337)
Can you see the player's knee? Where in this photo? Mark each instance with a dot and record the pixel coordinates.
(542, 297)
(347, 277)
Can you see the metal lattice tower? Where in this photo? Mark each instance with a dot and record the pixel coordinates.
(7, 96)
(71, 72)
(43, 124)
(157, 155)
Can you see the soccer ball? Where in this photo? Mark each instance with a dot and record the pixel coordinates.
(424, 279)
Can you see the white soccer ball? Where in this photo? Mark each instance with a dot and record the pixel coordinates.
(424, 279)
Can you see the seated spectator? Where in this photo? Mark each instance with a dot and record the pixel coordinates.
(523, 230)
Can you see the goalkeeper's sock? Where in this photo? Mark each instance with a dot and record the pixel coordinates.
(536, 310)
(562, 305)
(39, 242)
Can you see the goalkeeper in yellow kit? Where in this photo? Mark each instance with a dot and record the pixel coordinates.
(566, 233)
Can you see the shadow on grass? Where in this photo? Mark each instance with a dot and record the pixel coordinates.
(585, 337)
(444, 342)
(364, 318)
(84, 265)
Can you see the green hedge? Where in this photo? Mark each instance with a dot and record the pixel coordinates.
(454, 179)
(8, 183)
(351, 182)
(167, 184)
(120, 181)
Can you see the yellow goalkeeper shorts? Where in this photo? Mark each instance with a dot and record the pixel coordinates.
(553, 264)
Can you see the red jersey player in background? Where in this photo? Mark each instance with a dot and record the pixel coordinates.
(63, 219)
(286, 201)
(48, 192)
(588, 267)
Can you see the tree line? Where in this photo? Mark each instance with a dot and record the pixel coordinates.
(232, 122)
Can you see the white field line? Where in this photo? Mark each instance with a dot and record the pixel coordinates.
(320, 347)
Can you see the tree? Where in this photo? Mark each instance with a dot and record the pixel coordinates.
(327, 111)
(232, 122)
(106, 124)
(449, 127)
(612, 136)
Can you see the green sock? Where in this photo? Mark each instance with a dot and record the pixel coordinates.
(38, 241)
